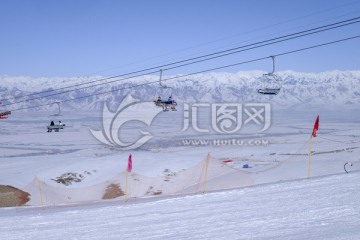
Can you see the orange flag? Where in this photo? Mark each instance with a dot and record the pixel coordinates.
(316, 127)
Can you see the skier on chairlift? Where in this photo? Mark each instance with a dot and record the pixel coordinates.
(170, 100)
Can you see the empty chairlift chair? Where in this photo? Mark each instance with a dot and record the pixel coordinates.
(272, 81)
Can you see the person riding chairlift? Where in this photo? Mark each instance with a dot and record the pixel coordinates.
(51, 124)
(170, 100)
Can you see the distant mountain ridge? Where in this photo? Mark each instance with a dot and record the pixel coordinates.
(326, 89)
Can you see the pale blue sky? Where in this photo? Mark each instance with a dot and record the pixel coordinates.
(82, 37)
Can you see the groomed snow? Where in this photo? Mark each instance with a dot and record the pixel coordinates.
(320, 208)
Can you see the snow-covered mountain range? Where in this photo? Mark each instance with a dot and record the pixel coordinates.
(332, 89)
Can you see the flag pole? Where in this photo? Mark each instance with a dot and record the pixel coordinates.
(126, 185)
(40, 191)
(128, 169)
(206, 170)
(313, 134)
(310, 152)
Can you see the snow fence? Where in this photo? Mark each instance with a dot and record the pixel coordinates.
(210, 174)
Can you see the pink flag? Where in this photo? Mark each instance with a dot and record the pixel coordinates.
(129, 167)
(316, 127)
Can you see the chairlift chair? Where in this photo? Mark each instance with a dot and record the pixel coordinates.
(272, 78)
(4, 114)
(55, 127)
(60, 125)
(168, 101)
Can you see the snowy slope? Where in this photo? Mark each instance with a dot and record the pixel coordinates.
(322, 208)
(339, 88)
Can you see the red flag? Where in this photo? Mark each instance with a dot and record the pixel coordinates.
(316, 127)
(129, 167)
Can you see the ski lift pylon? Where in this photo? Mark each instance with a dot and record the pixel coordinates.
(274, 79)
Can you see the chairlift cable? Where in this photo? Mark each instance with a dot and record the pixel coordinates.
(198, 72)
(228, 52)
(255, 47)
(245, 33)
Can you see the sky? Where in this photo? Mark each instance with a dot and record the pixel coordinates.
(85, 38)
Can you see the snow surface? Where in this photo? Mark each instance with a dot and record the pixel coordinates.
(321, 208)
(274, 199)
